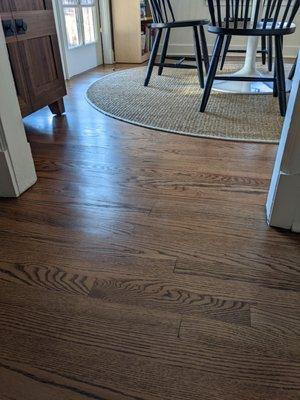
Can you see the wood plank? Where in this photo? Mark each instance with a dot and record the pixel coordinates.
(43, 383)
(278, 320)
(238, 338)
(170, 300)
(79, 217)
(182, 289)
(254, 267)
(169, 296)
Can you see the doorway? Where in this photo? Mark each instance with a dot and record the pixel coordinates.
(79, 25)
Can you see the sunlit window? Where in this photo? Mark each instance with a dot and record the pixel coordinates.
(88, 24)
(80, 22)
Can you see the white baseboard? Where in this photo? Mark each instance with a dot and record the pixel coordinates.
(287, 189)
(8, 185)
(188, 49)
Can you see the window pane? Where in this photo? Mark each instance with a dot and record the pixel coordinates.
(88, 14)
(70, 2)
(71, 18)
(87, 2)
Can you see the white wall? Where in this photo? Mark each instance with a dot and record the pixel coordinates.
(182, 42)
(83, 58)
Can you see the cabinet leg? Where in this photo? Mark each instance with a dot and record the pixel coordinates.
(58, 107)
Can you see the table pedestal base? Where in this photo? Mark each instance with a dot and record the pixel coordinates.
(247, 87)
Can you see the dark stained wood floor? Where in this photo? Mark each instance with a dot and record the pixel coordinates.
(140, 267)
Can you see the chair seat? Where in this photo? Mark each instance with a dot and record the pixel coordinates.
(180, 24)
(260, 30)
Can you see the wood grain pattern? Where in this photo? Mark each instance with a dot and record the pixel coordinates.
(48, 278)
(140, 267)
(19, 78)
(170, 296)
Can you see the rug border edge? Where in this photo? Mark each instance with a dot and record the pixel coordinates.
(161, 130)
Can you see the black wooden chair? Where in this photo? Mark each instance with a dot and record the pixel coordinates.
(164, 20)
(223, 25)
(266, 51)
(266, 43)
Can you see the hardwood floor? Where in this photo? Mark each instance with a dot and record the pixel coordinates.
(140, 267)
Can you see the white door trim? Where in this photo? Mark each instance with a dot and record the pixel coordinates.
(283, 205)
(106, 28)
(17, 172)
(61, 37)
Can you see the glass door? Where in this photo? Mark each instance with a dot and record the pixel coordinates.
(80, 22)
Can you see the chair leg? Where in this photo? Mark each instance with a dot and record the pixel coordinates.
(275, 84)
(270, 53)
(164, 51)
(292, 72)
(263, 50)
(226, 47)
(212, 71)
(153, 56)
(198, 56)
(204, 48)
(280, 76)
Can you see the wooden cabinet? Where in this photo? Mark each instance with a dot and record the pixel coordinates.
(33, 50)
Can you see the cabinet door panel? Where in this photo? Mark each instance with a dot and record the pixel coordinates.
(19, 78)
(44, 75)
(15, 61)
(34, 54)
(39, 52)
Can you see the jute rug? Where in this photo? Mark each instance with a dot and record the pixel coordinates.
(171, 103)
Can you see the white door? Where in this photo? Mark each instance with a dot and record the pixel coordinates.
(79, 26)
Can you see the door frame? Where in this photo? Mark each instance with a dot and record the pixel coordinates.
(106, 28)
(17, 171)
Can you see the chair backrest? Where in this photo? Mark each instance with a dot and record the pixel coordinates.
(162, 11)
(237, 13)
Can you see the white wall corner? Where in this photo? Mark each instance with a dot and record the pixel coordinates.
(283, 204)
(283, 207)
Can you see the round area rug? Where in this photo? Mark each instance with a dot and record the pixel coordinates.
(171, 103)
